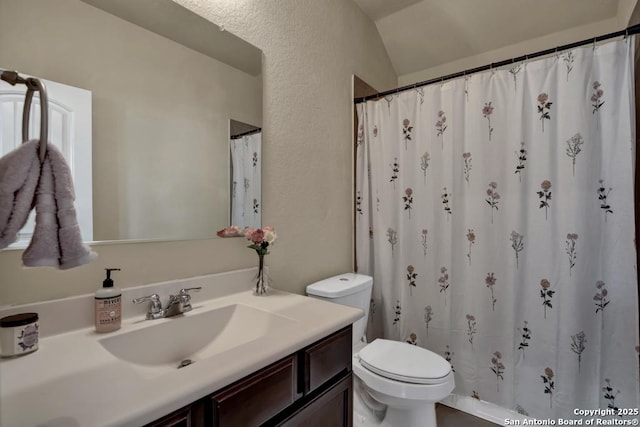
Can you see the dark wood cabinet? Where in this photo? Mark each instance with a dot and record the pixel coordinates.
(334, 407)
(312, 387)
(326, 359)
(258, 398)
(189, 416)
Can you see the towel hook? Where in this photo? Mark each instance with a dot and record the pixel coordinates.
(33, 85)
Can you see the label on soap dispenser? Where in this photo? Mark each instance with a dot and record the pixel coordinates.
(108, 313)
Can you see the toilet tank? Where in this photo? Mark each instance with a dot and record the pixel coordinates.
(351, 289)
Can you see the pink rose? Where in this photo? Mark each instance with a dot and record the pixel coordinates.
(257, 236)
(542, 98)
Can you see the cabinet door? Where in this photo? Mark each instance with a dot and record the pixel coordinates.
(179, 418)
(257, 398)
(333, 408)
(326, 359)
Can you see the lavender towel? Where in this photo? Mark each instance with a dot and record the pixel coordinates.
(19, 173)
(56, 240)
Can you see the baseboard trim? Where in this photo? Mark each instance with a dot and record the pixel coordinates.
(481, 409)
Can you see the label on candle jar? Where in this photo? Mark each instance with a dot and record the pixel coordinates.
(26, 339)
(19, 334)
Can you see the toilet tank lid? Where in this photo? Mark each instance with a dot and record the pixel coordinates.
(340, 285)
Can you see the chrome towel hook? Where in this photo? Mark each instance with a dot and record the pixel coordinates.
(33, 84)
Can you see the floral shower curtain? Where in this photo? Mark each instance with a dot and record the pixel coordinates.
(495, 213)
(246, 199)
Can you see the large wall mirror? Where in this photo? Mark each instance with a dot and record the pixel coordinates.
(164, 85)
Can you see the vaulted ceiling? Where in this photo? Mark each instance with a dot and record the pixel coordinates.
(420, 34)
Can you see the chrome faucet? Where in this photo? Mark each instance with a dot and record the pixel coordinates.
(185, 297)
(177, 304)
(155, 310)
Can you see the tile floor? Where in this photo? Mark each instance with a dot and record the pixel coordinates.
(449, 417)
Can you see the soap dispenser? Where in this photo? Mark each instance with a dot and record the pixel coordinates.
(108, 305)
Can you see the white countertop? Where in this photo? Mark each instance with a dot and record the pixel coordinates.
(71, 380)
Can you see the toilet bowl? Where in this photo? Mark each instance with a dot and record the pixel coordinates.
(397, 384)
(407, 379)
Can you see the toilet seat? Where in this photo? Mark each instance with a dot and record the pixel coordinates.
(377, 384)
(404, 362)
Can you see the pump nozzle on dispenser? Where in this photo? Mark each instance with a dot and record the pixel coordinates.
(108, 282)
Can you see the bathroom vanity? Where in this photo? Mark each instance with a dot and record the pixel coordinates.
(312, 386)
(281, 359)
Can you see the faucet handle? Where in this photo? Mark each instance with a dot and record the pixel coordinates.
(186, 297)
(155, 305)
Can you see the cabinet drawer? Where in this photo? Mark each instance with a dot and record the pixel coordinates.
(258, 397)
(332, 408)
(180, 418)
(326, 359)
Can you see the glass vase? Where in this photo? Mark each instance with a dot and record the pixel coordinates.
(262, 278)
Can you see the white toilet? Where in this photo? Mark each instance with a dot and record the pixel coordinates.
(396, 384)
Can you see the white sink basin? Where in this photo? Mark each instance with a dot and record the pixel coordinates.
(195, 336)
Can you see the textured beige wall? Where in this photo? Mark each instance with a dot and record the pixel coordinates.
(310, 48)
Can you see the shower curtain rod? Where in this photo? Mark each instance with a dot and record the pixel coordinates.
(247, 133)
(634, 29)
